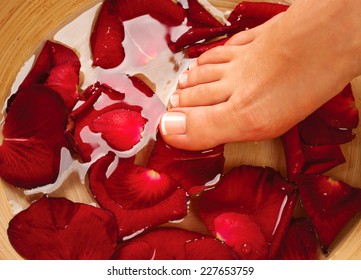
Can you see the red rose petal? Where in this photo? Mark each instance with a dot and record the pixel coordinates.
(166, 200)
(251, 14)
(305, 159)
(197, 49)
(242, 234)
(180, 245)
(33, 137)
(64, 80)
(121, 128)
(107, 37)
(300, 242)
(192, 169)
(58, 67)
(315, 132)
(104, 105)
(260, 193)
(141, 86)
(340, 111)
(198, 14)
(165, 11)
(56, 228)
(197, 34)
(329, 203)
(312, 147)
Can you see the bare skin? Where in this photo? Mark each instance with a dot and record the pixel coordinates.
(267, 79)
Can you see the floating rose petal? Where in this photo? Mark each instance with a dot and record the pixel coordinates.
(125, 122)
(300, 242)
(180, 245)
(251, 14)
(33, 137)
(194, 170)
(312, 147)
(242, 234)
(58, 229)
(199, 15)
(330, 204)
(340, 112)
(107, 37)
(165, 11)
(254, 200)
(305, 159)
(197, 49)
(105, 113)
(58, 68)
(197, 34)
(140, 198)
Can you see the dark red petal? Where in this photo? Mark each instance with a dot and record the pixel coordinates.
(300, 242)
(197, 49)
(167, 201)
(312, 147)
(107, 37)
(165, 11)
(33, 137)
(252, 14)
(242, 234)
(180, 245)
(340, 111)
(141, 86)
(197, 34)
(260, 193)
(192, 169)
(198, 14)
(56, 228)
(121, 128)
(315, 132)
(64, 80)
(58, 67)
(208, 248)
(329, 203)
(305, 159)
(101, 102)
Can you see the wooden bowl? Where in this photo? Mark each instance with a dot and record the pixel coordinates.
(26, 24)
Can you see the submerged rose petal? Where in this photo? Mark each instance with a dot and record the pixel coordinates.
(330, 204)
(256, 198)
(140, 198)
(180, 245)
(194, 170)
(33, 137)
(58, 229)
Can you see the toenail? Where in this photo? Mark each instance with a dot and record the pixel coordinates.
(174, 100)
(183, 79)
(193, 64)
(173, 123)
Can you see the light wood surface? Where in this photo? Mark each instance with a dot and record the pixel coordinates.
(25, 24)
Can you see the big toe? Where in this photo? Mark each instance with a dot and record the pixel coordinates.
(199, 128)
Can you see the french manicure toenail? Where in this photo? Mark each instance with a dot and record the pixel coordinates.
(173, 123)
(183, 79)
(193, 64)
(174, 100)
